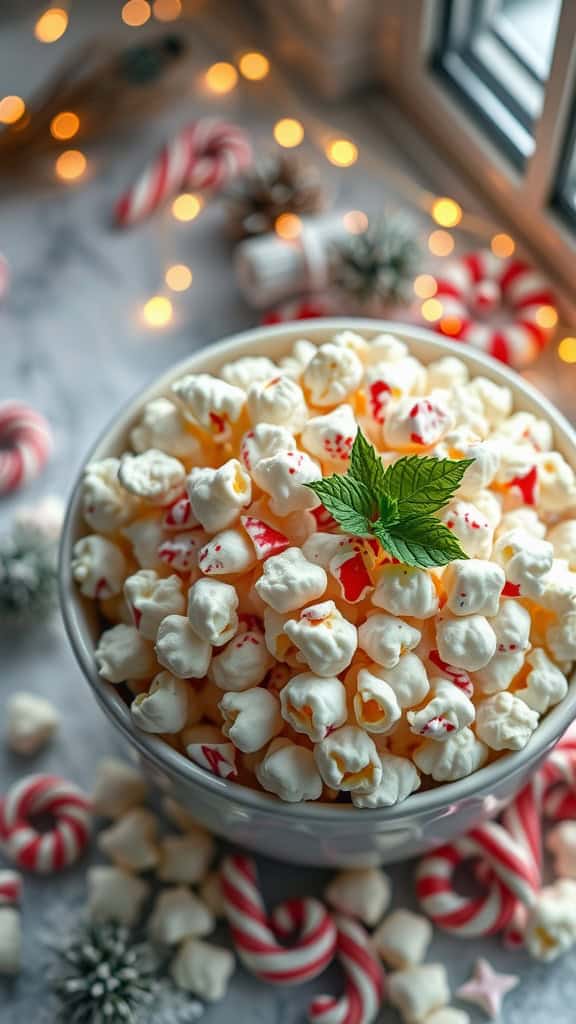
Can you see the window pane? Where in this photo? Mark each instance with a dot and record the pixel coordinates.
(497, 55)
(565, 198)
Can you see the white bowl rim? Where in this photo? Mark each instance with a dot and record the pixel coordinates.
(442, 797)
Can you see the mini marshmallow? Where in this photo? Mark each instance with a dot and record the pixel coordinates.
(212, 403)
(330, 437)
(332, 373)
(496, 399)
(503, 722)
(164, 708)
(523, 518)
(290, 772)
(561, 638)
(278, 400)
(551, 929)
(180, 650)
(314, 705)
(243, 663)
(348, 759)
(105, 504)
(471, 528)
(525, 428)
(326, 641)
(98, 566)
(403, 938)
(180, 551)
(251, 719)
(177, 915)
(283, 477)
(153, 476)
(473, 587)
(243, 372)
(467, 641)
(418, 991)
(10, 940)
(376, 706)
(399, 779)
(115, 895)
(408, 679)
(151, 598)
(563, 539)
(203, 969)
(123, 653)
(561, 841)
(545, 684)
(31, 722)
(448, 1015)
(218, 496)
(300, 355)
(413, 424)
(146, 535)
(447, 371)
(499, 672)
(263, 441)
(512, 627)
(131, 842)
(211, 893)
(386, 638)
(405, 590)
(118, 788)
(163, 426)
(185, 860)
(449, 711)
(525, 560)
(212, 610)
(227, 553)
(289, 581)
(363, 893)
(556, 483)
(459, 756)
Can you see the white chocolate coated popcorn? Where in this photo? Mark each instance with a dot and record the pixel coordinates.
(146, 536)
(98, 566)
(247, 370)
(408, 679)
(179, 551)
(203, 969)
(163, 426)
(123, 653)
(466, 641)
(523, 518)
(330, 437)
(283, 477)
(211, 402)
(251, 718)
(118, 788)
(332, 373)
(499, 672)
(385, 347)
(449, 711)
(153, 476)
(545, 684)
(31, 721)
(348, 759)
(417, 991)
(105, 504)
(243, 663)
(289, 581)
(504, 722)
(289, 772)
(400, 778)
(404, 590)
(229, 552)
(180, 650)
(151, 598)
(177, 915)
(561, 637)
(131, 841)
(512, 627)
(185, 860)
(300, 355)
(446, 372)
(414, 424)
(376, 706)
(459, 756)
(263, 441)
(525, 428)
(164, 708)
(551, 929)
(386, 638)
(363, 893)
(217, 496)
(212, 610)
(561, 841)
(563, 540)
(471, 528)
(496, 399)
(525, 559)
(326, 641)
(461, 444)
(403, 938)
(473, 587)
(115, 895)
(314, 705)
(556, 483)
(278, 400)
(448, 1015)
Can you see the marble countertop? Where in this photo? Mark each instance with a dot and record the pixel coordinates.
(73, 346)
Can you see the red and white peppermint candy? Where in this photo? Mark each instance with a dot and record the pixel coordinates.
(325, 522)
(205, 155)
(299, 309)
(179, 515)
(255, 938)
(365, 980)
(217, 758)
(62, 845)
(349, 567)
(458, 676)
(10, 889)
(474, 289)
(25, 445)
(266, 540)
(180, 551)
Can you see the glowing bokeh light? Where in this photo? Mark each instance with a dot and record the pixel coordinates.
(157, 312)
(186, 206)
(502, 245)
(440, 243)
(167, 10)
(51, 25)
(178, 277)
(341, 152)
(64, 125)
(254, 66)
(432, 310)
(288, 132)
(546, 317)
(355, 221)
(288, 226)
(450, 325)
(567, 350)
(446, 212)
(71, 165)
(12, 108)
(221, 78)
(425, 286)
(136, 13)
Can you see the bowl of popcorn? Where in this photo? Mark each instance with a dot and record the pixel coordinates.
(322, 578)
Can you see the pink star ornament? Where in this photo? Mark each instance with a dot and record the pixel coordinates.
(487, 988)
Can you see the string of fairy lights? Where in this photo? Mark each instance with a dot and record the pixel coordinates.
(289, 132)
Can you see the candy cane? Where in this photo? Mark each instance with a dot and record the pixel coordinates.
(255, 940)
(25, 445)
(51, 851)
(365, 980)
(10, 889)
(206, 155)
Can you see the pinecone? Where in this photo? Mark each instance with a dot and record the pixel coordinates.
(377, 266)
(27, 577)
(276, 184)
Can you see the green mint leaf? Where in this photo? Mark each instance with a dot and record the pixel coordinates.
(388, 510)
(366, 465)
(422, 484)
(348, 500)
(421, 541)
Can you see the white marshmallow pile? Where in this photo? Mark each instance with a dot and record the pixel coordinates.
(269, 647)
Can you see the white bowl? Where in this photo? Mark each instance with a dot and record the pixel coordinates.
(313, 833)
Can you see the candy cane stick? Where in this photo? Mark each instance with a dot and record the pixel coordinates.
(365, 980)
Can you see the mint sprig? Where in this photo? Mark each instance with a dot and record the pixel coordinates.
(396, 503)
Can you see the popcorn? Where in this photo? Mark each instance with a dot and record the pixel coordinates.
(332, 373)
(263, 441)
(385, 347)
(523, 518)
(413, 424)
(447, 371)
(449, 711)
(251, 718)
(151, 598)
(213, 404)
(504, 722)
(518, 473)
(314, 705)
(301, 354)
(10, 940)
(363, 893)
(115, 895)
(375, 703)
(211, 893)
(131, 841)
(386, 638)
(289, 581)
(461, 444)
(561, 841)
(563, 540)
(146, 536)
(403, 938)
(164, 708)
(123, 653)
(31, 722)
(283, 477)
(496, 400)
(347, 759)
(179, 515)
(321, 548)
(525, 560)
(352, 341)
(399, 779)
(243, 663)
(180, 650)
(551, 929)
(490, 507)
(118, 788)
(525, 428)
(418, 991)
(468, 641)
(404, 590)
(98, 566)
(459, 756)
(559, 588)
(325, 640)
(217, 496)
(227, 553)
(289, 772)
(561, 638)
(279, 645)
(203, 969)
(408, 680)
(499, 672)
(177, 915)
(185, 860)
(278, 400)
(163, 426)
(243, 372)
(473, 587)
(180, 551)
(557, 483)
(330, 437)
(466, 407)
(212, 610)
(153, 476)
(470, 527)
(105, 504)
(512, 627)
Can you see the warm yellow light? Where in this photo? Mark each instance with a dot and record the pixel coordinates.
(425, 286)
(432, 310)
(51, 25)
(157, 312)
(12, 108)
(186, 206)
(446, 212)
(355, 221)
(254, 66)
(288, 132)
(178, 277)
(167, 10)
(567, 350)
(71, 165)
(342, 152)
(64, 125)
(546, 317)
(440, 243)
(288, 226)
(136, 13)
(221, 77)
(502, 245)
(451, 325)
